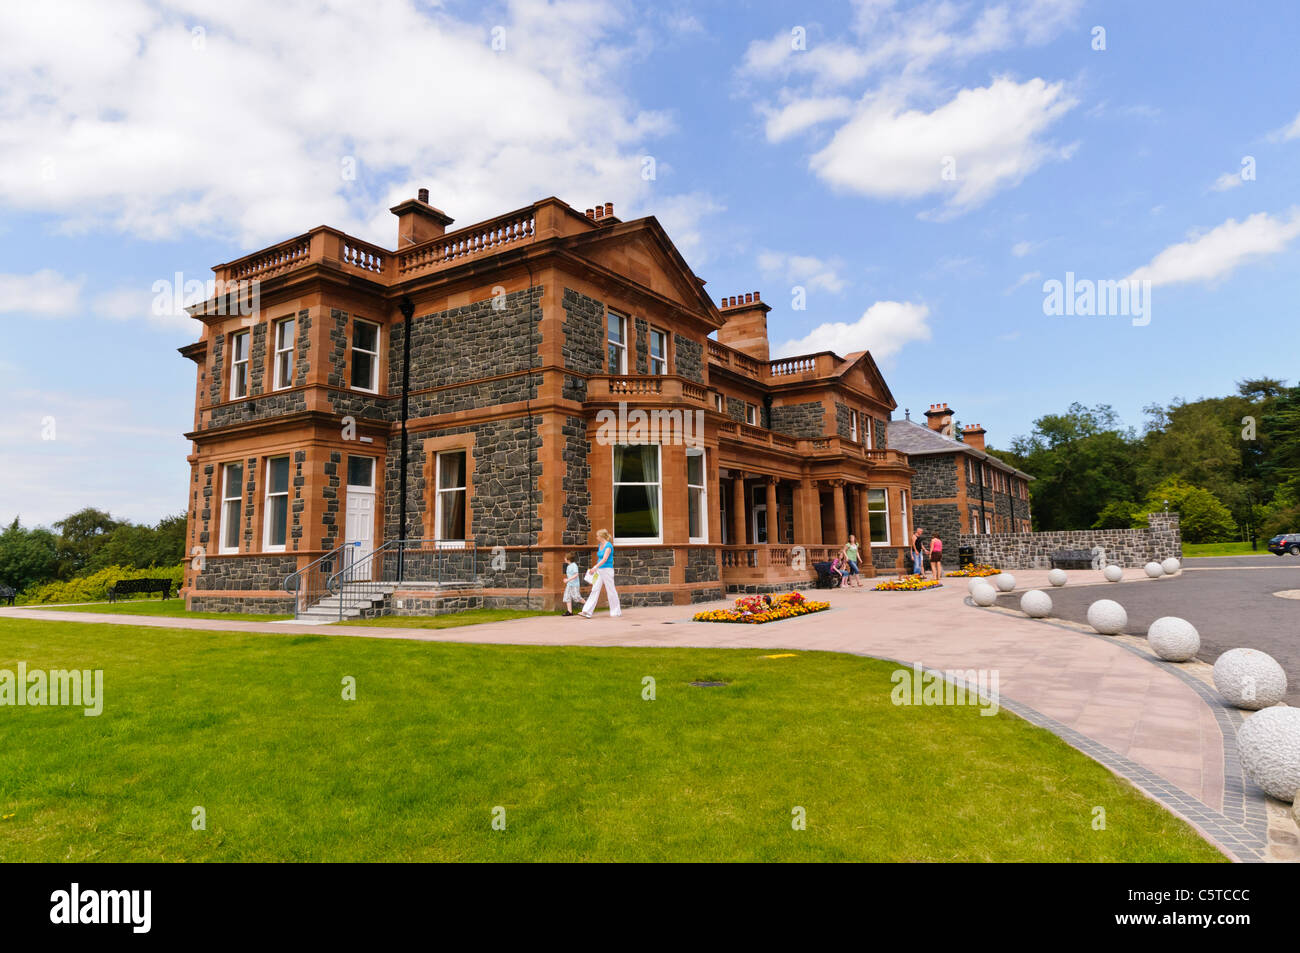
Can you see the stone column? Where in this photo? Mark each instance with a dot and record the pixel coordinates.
(738, 511)
(799, 498)
(815, 513)
(863, 528)
(773, 530)
(841, 521)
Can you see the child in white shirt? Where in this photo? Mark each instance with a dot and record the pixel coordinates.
(572, 592)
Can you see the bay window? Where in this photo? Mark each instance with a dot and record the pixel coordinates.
(697, 514)
(878, 516)
(636, 494)
(276, 514)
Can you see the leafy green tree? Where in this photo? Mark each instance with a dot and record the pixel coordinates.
(1118, 514)
(1203, 517)
(28, 557)
(80, 536)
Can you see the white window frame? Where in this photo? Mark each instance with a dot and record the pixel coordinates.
(621, 344)
(884, 491)
(720, 403)
(267, 545)
(226, 501)
(658, 365)
(702, 488)
(282, 380)
(659, 489)
(866, 432)
(751, 414)
(853, 425)
(374, 356)
(236, 365)
(902, 508)
(439, 491)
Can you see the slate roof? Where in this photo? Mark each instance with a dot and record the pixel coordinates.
(916, 440)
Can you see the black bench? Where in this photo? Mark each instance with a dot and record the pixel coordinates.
(7, 594)
(827, 578)
(124, 586)
(1072, 559)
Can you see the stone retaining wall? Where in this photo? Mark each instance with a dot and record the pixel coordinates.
(1123, 547)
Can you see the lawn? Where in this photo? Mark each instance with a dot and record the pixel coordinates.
(1191, 550)
(254, 729)
(172, 608)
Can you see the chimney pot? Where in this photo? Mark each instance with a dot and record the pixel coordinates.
(609, 208)
(591, 213)
(423, 196)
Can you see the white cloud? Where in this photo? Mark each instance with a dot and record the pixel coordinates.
(1229, 180)
(805, 270)
(1290, 131)
(1023, 280)
(883, 329)
(797, 116)
(993, 135)
(1207, 256)
(128, 121)
(1021, 249)
(45, 293)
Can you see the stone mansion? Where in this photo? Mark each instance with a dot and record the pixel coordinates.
(446, 422)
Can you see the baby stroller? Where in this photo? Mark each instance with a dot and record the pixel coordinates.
(827, 578)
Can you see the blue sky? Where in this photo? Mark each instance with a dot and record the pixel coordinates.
(791, 150)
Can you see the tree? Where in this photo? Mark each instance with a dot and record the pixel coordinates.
(1118, 514)
(27, 557)
(1203, 517)
(80, 537)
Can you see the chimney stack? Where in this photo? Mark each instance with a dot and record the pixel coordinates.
(746, 325)
(973, 436)
(938, 417)
(418, 221)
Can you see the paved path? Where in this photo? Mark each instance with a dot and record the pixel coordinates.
(1140, 717)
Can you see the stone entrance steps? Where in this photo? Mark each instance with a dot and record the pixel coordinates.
(327, 610)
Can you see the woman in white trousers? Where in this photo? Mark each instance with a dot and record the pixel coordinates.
(604, 570)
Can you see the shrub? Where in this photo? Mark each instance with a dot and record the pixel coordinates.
(93, 587)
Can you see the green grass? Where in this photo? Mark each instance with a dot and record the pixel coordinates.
(1192, 550)
(171, 608)
(253, 728)
(449, 621)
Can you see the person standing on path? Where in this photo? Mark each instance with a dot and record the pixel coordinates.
(936, 557)
(916, 550)
(852, 555)
(604, 570)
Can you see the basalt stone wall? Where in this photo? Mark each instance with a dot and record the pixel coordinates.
(257, 360)
(935, 477)
(800, 420)
(577, 480)
(302, 349)
(880, 434)
(690, 358)
(338, 353)
(245, 572)
(259, 408)
(205, 511)
(583, 350)
(643, 566)
(250, 498)
(702, 565)
(710, 594)
(330, 526)
(1123, 547)
(270, 605)
(351, 403)
(506, 390)
(736, 409)
(887, 557)
(488, 338)
(218, 369)
(938, 519)
(842, 425)
(642, 346)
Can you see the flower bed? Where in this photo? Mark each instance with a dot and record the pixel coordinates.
(907, 584)
(758, 609)
(983, 569)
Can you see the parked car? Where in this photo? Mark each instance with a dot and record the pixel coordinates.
(1284, 543)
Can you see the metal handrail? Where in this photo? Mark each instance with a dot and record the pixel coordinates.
(294, 581)
(418, 559)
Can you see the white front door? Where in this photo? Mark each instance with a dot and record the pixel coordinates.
(359, 523)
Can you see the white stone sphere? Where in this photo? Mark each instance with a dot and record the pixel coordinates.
(1171, 566)
(1269, 745)
(1004, 581)
(1113, 573)
(1107, 616)
(1057, 577)
(1249, 679)
(984, 595)
(974, 581)
(1173, 639)
(1036, 604)
(1154, 570)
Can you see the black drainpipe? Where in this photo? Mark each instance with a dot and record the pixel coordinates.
(1011, 498)
(407, 307)
(982, 516)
